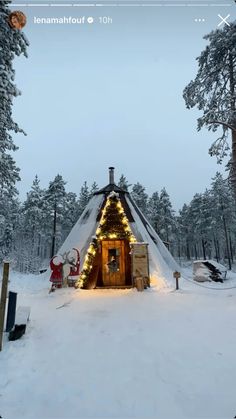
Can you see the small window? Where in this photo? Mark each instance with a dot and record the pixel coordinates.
(113, 262)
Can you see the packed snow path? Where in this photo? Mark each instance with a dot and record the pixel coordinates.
(121, 354)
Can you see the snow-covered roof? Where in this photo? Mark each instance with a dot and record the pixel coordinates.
(82, 232)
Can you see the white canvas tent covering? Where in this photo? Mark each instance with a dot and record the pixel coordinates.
(161, 262)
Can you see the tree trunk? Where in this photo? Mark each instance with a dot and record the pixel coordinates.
(39, 245)
(179, 251)
(167, 235)
(203, 249)
(54, 231)
(187, 250)
(195, 251)
(216, 250)
(231, 248)
(232, 86)
(233, 164)
(227, 243)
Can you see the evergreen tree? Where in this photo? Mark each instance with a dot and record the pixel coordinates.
(214, 91)
(200, 222)
(84, 197)
(32, 208)
(224, 214)
(94, 188)
(123, 183)
(13, 42)
(10, 210)
(185, 237)
(207, 224)
(70, 213)
(140, 197)
(32, 231)
(154, 211)
(166, 216)
(54, 204)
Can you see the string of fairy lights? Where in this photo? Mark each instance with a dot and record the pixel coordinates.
(113, 225)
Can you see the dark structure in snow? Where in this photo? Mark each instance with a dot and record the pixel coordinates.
(208, 270)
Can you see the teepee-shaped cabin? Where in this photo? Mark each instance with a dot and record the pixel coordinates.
(109, 227)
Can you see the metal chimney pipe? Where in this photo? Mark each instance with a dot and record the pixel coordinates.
(111, 175)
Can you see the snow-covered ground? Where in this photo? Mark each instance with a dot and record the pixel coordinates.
(121, 353)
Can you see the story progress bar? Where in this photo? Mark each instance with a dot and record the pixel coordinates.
(127, 3)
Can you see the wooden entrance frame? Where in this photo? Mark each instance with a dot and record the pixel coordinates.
(103, 277)
(120, 277)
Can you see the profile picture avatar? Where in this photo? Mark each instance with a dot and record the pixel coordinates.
(17, 20)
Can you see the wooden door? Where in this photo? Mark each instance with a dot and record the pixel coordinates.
(113, 263)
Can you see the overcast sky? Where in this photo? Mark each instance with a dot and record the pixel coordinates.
(98, 95)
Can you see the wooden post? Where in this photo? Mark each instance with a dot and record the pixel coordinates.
(177, 275)
(3, 299)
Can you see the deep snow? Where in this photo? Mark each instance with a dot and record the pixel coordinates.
(121, 353)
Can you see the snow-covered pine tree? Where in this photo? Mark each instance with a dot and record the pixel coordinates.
(12, 43)
(74, 207)
(224, 215)
(70, 213)
(32, 209)
(140, 197)
(185, 237)
(9, 224)
(94, 188)
(180, 243)
(206, 224)
(154, 211)
(32, 235)
(54, 200)
(84, 197)
(213, 91)
(123, 183)
(166, 217)
(199, 235)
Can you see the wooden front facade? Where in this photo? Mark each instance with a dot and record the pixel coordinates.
(112, 265)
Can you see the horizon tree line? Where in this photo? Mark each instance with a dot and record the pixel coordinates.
(32, 231)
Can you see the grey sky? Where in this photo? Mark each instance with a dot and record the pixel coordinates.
(100, 95)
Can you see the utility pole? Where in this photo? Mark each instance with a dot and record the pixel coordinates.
(3, 299)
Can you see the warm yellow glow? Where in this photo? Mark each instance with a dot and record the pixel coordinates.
(88, 261)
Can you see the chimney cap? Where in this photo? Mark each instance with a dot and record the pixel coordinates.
(111, 175)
